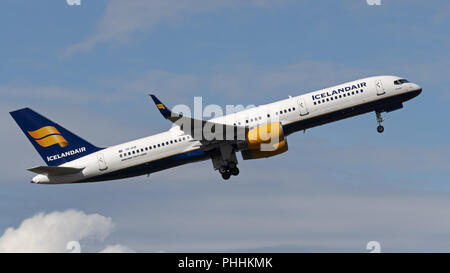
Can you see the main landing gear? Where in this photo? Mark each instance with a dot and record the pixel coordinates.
(224, 160)
(229, 170)
(380, 127)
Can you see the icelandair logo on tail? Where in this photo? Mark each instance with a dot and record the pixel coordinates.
(48, 136)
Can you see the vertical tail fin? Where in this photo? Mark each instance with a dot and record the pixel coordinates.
(55, 144)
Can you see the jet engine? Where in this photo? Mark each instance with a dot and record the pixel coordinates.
(265, 141)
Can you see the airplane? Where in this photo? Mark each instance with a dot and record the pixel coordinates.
(71, 159)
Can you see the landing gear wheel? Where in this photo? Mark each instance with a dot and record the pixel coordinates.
(223, 170)
(380, 129)
(226, 175)
(234, 171)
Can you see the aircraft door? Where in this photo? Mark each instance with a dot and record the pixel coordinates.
(302, 106)
(101, 162)
(379, 87)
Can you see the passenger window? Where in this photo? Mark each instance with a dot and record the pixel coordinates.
(293, 109)
(171, 142)
(315, 103)
(353, 93)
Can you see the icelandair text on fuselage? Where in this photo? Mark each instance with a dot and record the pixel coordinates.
(65, 154)
(338, 91)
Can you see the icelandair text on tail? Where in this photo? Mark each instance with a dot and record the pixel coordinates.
(65, 154)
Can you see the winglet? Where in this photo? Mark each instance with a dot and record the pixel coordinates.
(161, 107)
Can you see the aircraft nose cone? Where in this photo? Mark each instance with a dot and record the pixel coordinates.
(416, 89)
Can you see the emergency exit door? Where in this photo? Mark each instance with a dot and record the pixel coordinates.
(302, 107)
(101, 162)
(379, 87)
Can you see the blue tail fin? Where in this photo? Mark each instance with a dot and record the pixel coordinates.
(55, 144)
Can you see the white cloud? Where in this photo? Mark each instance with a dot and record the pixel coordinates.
(122, 19)
(51, 232)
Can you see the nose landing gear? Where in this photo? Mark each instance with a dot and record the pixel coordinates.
(380, 127)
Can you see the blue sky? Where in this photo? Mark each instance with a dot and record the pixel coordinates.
(341, 185)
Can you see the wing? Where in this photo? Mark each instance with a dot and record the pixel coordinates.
(207, 132)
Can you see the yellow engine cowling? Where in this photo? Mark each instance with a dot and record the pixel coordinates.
(279, 148)
(265, 141)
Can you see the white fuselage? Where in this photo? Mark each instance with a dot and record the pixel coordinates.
(295, 113)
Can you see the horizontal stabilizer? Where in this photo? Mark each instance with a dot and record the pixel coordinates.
(51, 170)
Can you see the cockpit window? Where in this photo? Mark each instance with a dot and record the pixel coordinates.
(401, 81)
